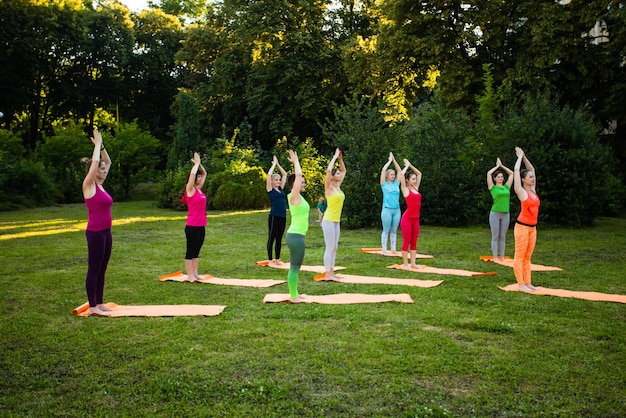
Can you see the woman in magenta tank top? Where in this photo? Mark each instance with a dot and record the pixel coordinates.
(98, 233)
(196, 217)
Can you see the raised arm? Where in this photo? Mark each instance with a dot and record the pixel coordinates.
(402, 176)
(419, 176)
(490, 174)
(329, 170)
(295, 198)
(342, 166)
(509, 173)
(530, 167)
(283, 174)
(90, 178)
(270, 173)
(517, 178)
(191, 182)
(383, 171)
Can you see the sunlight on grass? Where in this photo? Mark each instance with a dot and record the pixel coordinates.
(59, 226)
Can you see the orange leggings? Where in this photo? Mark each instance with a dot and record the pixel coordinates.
(525, 240)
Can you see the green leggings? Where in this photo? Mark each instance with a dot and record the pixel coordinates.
(295, 242)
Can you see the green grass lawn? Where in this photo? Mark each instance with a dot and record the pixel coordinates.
(464, 348)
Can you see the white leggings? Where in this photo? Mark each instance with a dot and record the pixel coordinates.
(331, 239)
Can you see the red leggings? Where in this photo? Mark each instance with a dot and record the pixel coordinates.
(410, 232)
(525, 240)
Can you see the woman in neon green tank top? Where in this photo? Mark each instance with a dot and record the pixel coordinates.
(332, 216)
(299, 210)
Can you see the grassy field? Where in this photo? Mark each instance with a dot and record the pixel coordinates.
(464, 348)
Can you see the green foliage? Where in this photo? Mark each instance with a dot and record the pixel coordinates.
(11, 146)
(186, 130)
(436, 134)
(360, 131)
(239, 187)
(25, 184)
(171, 187)
(235, 178)
(62, 155)
(575, 177)
(134, 155)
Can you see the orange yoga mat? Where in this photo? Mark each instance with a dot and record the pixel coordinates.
(340, 299)
(154, 310)
(379, 251)
(353, 279)
(595, 296)
(207, 278)
(508, 261)
(285, 266)
(436, 270)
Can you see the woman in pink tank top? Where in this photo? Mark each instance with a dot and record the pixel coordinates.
(98, 233)
(196, 217)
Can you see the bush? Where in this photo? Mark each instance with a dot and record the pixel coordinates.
(170, 189)
(575, 179)
(25, 184)
(238, 189)
(436, 136)
(62, 154)
(362, 134)
(134, 155)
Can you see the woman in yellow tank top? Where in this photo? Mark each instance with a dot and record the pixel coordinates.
(332, 217)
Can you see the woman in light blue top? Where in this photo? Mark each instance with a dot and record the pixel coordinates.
(390, 214)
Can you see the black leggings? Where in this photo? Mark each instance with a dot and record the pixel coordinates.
(99, 244)
(195, 239)
(276, 229)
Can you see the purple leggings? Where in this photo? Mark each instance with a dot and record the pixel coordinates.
(99, 244)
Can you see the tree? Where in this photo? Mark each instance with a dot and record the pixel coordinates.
(186, 131)
(134, 154)
(360, 131)
(152, 77)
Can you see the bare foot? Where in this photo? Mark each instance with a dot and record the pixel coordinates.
(406, 267)
(530, 286)
(95, 311)
(524, 288)
(298, 299)
(198, 278)
(103, 307)
(278, 262)
(415, 267)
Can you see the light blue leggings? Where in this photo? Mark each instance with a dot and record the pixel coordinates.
(391, 221)
(499, 223)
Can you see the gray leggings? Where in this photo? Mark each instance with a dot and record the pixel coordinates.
(499, 223)
(331, 239)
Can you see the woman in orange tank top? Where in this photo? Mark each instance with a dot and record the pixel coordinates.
(525, 231)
